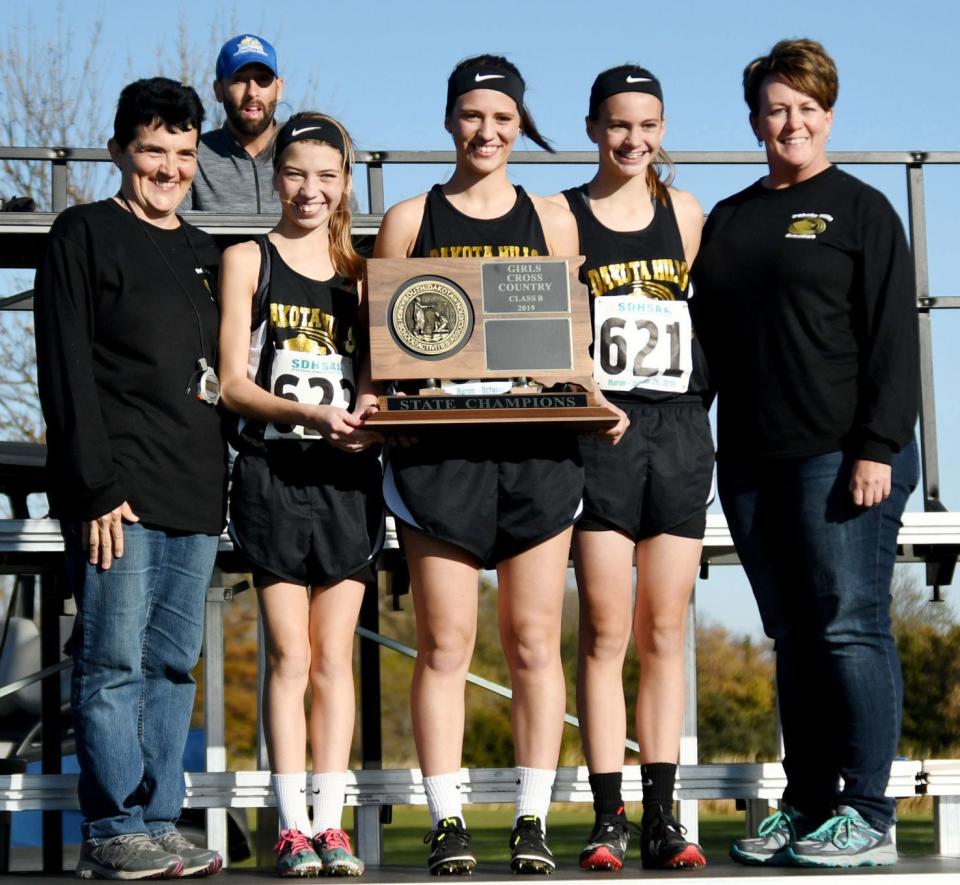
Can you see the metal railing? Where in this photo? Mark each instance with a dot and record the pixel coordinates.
(375, 162)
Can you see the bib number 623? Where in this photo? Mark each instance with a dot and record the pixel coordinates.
(641, 344)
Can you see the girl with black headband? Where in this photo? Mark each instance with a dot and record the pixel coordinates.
(479, 498)
(645, 498)
(305, 505)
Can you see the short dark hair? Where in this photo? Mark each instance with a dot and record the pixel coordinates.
(803, 63)
(156, 100)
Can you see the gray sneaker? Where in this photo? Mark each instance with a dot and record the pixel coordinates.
(196, 861)
(135, 856)
(846, 840)
(774, 834)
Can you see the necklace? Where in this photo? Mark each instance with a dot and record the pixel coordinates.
(203, 381)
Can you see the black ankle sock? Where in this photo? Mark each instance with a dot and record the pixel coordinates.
(606, 793)
(658, 782)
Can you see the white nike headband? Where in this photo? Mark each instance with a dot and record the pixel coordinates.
(305, 127)
(623, 79)
(484, 77)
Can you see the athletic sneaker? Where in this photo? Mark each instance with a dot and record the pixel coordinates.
(336, 856)
(196, 861)
(662, 846)
(608, 844)
(528, 847)
(846, 840)
(775, 833)
(135, 856)
(450, 853)
(295, 855)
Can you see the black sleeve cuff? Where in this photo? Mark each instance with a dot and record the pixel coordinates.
(874, 450)
(97, 504)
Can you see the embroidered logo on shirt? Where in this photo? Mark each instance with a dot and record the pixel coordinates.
(806, 225)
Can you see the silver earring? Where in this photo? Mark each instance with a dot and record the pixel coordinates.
(759, 142)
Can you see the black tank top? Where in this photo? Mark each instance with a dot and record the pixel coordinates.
(305, 343)
(648, 263)
(446, 232)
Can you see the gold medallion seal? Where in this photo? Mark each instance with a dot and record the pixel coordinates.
(431, 317)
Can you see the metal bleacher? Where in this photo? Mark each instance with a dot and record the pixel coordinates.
(32, 546)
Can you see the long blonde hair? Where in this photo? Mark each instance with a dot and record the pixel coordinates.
(346, 262)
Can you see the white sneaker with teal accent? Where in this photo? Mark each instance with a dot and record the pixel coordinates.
(774, 834)
(846, 840)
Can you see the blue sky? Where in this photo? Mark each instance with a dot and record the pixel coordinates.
(381, 67)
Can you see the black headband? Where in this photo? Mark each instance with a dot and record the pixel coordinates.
(635, 79)
(299, 128)
(484, 77)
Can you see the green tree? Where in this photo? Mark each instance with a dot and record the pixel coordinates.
(735, 697)
(928, 640)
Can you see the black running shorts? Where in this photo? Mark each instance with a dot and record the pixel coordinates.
(657, 479)
(309, 516)
(493, 491)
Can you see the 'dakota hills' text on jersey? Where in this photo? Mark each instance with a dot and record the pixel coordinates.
(446, 232)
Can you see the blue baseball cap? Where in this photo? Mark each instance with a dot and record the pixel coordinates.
(245, 49)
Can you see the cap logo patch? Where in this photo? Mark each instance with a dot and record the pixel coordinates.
(250, 44)
(632, 79)
(479, 78)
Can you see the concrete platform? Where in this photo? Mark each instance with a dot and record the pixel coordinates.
(910, 871)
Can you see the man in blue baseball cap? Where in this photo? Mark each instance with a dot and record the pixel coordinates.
(234, 172)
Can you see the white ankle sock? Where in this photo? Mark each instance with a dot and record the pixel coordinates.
(328, 788)
(534, 788)
(443, 796)
(290, 791)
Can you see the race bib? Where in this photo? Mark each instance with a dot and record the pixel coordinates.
(641, 344)
(325, 380)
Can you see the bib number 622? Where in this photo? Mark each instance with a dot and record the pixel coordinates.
(321, 381)
(641, 344)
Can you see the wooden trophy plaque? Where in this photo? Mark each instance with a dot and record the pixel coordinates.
(481, 340)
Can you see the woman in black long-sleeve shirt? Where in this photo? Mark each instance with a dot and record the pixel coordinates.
(126, 326)
(806, 309)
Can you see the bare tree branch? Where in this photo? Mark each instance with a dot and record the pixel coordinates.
(52, 97)
(20, 418)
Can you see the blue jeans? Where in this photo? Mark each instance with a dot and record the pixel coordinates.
(136, 640)
(820, 569)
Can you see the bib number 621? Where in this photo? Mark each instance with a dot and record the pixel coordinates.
(641, 344)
